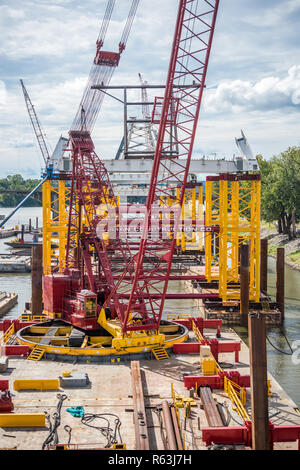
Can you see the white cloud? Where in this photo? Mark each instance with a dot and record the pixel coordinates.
(274, 15)
(50, 43)
(3, 97)
(11, 13)
(268, 93)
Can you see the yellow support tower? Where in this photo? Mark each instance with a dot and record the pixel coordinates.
(212, 217)
(233, 202)
(200, 215)
(192, 212)
(56, 195)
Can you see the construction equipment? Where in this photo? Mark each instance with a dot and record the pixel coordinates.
(6, 404)
(40, 136)
(177, 114)
(89, 188)
(111, 280)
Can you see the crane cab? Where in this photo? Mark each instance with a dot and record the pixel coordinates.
(87, 304)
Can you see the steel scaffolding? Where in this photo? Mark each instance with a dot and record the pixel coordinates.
(56, 197)
(233, 203)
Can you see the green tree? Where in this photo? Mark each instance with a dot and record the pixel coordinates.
(281, 190)
(16, 182)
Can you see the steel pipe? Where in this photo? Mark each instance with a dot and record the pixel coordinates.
(172, 443)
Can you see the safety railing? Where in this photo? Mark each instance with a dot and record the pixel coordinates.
(29, 317)
(178, 316)
(175, 397)
(197, 332)
(237, 396)
(8, 333)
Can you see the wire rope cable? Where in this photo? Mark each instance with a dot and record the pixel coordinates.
(112, 435)
(52, 438)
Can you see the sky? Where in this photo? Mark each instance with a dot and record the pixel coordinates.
(253, 80)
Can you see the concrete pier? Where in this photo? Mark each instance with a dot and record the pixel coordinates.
(15, 264)
(7, 302)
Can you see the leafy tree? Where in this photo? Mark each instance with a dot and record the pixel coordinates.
(16, 182)
(281, 190)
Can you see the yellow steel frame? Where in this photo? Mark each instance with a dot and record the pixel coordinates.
(212, 217)
(192, 209)
(56, 195)
(234, 205)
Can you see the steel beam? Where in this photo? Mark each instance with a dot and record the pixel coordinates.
(172, 443)
(176, 429)
(139, 411)
(135, 166)
(176, 296)
(210, 408)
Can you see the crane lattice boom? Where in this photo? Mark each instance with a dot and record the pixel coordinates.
(36, 125)
(102, 71)
(177, 114)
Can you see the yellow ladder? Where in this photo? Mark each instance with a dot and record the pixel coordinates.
(36, 354)
(8, 333)
(160, 353)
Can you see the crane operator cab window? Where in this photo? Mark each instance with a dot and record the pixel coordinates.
(87, 303)
(90, 307)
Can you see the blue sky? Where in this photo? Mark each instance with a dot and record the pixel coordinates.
(253, 81)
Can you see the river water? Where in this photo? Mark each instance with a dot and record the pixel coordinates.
(280, 364)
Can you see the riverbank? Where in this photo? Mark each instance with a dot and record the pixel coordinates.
(275, 240)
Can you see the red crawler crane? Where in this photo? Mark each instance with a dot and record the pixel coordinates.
(177, 114)
(74, 296)
(131, 286)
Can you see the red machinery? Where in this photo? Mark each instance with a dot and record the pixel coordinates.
(67, 295)
(130, 284)
(6, 404)
(242, 435)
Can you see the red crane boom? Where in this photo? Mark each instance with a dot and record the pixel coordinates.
(126, 283)
(177, 114)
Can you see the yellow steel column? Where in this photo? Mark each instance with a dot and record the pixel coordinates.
(63, 221)
(183, 236)
(207, 235)
(178, 235)
(200, 215)
(252, 243)
(223, 254)
(194, 214)
(235, 222)
(46, 227)
(257, 242)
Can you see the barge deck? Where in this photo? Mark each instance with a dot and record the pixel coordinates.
(110, 391)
